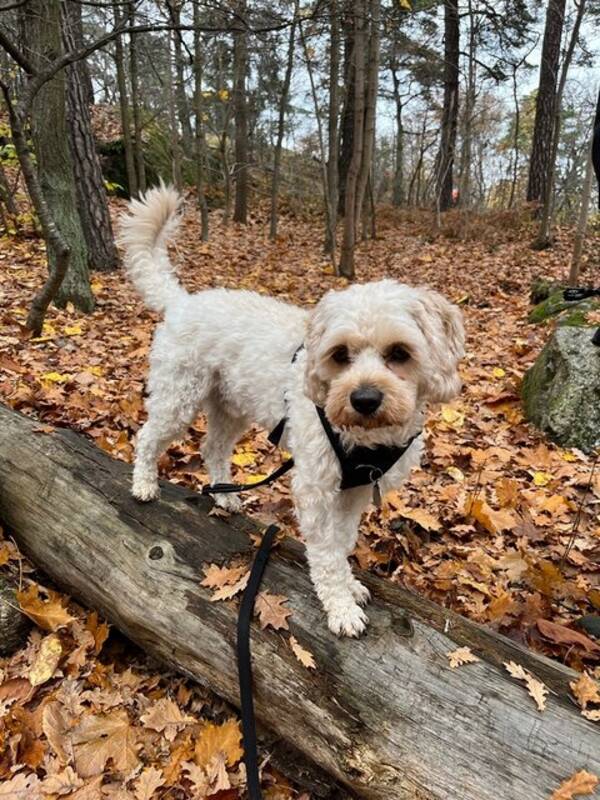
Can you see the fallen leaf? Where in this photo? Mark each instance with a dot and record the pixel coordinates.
(580, 783)
(270, 610)
(50, 614)
(62, 782)
(493, 521)
(462, 655)
(535, 687)
(563, 635)
(215, 739)
(46, 661)
(101, 737)
(305, 657)
(149, 781)
(166, 716)
(586, 690)
(21, 787)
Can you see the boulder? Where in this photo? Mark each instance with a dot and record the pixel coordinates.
(561, 392)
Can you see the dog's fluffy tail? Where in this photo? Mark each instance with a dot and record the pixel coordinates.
(144, 233)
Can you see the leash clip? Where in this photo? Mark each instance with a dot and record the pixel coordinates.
(375, 476)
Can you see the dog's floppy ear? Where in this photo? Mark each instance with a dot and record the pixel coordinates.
(315, 387)
(441, 323)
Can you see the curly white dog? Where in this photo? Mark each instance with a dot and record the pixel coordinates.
(373, 355)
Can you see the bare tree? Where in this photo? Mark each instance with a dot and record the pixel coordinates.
(285, 91)
(584, 211)
(132, 182)
(333, 125)
(240, 106)
(545, 108)
(445, 162)
(199, 139)
(138, 149)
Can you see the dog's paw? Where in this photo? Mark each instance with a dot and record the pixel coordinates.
(229, 502)
(348, 620)
(360, 592)
(145, 490)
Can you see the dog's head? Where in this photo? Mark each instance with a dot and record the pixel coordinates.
(377, 351)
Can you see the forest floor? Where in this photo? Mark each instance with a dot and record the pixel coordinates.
(498, 523)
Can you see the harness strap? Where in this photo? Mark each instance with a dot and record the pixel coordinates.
(230, 488)
(245, 665)
(333, 439)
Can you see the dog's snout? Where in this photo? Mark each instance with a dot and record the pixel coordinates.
(366, 399)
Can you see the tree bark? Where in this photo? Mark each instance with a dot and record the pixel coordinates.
(177, 172)
(346, 267)
(370, 106)
(138, 145)
(132, 182)
(346, 132)
(333, 125)
(240, 110)
(385, 715)
(584, 212)
(54, 162)
(543, 239)
(445, 165)
(285, 90)
(199, 138)
(541, 149)
(89, 183)
(181, 100)
(398, 193)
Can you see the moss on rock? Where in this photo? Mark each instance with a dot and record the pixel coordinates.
(561, 392)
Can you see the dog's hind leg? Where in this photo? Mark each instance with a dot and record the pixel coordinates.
(224, 430)
(171, 407)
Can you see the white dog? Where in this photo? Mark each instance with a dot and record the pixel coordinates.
(373, 355)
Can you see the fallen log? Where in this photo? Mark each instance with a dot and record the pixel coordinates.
(384, 715)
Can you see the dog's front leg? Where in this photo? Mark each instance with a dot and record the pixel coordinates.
(326, 538)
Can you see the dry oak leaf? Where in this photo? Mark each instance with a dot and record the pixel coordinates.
(585, 690)
(198, 777)
(227, 592)
(492, 521)
(535, 687)
(166, 717)
(563, 635)
(270, 610)
(580, 783)
(215, 739)
(228, 581)
(45, 663)
(50, 614)
(62, 782)
(593, 715)
(421, 517)
(462, 655)
(217, 774)
(101, 737)
(305, 657)
(21, 787)
(149, 781)
(56, 723)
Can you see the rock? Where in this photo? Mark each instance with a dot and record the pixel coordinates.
(570, 312)
(561, 392)
(14, 625)
(542, 288)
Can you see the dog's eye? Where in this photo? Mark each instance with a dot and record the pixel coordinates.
(398, 354)
(341, 355)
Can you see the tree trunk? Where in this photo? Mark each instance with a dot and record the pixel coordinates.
(370, 107)
(468, 114)
(333, 125)
(285, 90)
(177, 174)
(445, 164)
(138, 144)
(181, 100)
(347, 122)
(346, 267)
(584, 211)
(132, 183)
(199, 139)
(398, 194)
(54, 163)
(385, 714)
(240, 106)
(541, 149)
(543, 238)
(89, 183)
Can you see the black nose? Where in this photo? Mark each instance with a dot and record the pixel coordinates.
(366, 399)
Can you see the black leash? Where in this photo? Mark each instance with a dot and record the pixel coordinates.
(245, 666)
